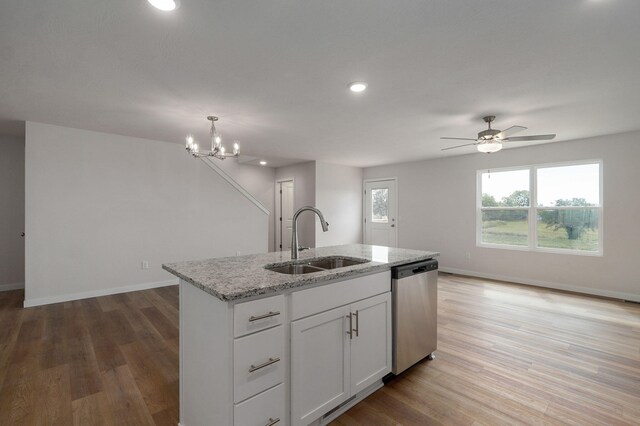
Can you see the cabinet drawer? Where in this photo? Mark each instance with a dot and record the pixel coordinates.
(258, 362)
(322, 298)
(257, 315)
(262, 410)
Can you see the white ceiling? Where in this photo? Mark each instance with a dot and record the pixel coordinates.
(276, 71)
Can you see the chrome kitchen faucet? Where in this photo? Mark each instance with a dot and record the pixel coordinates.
(294, 231)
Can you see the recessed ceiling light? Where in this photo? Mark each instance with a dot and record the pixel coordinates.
(358, 86)
(263, 163)
(164, 5)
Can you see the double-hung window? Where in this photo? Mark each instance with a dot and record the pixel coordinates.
(549, 207)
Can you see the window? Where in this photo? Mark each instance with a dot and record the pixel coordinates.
(380, 205)
(543, 208)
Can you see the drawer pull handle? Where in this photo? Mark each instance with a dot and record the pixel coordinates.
(264, 364)
(273, 421)
(259, 317)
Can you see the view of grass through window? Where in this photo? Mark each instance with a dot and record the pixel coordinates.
(566, 210)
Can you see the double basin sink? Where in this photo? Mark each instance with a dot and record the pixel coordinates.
(319, 264)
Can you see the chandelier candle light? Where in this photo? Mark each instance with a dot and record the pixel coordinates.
(217, 150)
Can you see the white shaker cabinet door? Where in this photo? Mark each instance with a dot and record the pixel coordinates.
(371, 345)
(320, 357)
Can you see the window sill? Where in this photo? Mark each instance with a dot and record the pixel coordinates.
(542, 250)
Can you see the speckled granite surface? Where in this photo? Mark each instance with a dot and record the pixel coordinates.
(232, 278)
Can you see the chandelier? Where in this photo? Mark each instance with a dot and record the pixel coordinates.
(217, 150)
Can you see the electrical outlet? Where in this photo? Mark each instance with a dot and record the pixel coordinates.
(467, 256)
(238, 253)
(144, 264)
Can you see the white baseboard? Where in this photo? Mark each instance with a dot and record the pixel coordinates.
(28, 303)
(11, 286)
(547, 284)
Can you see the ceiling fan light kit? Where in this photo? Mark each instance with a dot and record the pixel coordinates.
(491, 140)
(489, 147)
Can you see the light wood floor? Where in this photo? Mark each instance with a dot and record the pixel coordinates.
(511, 355)
(507, 355)
(110, 360)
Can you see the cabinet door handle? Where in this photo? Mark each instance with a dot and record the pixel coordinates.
(259, 317)
(273, 421)
(263, 365)
(357, 329)
(350, 332)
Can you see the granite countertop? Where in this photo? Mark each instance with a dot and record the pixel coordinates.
(238, 277)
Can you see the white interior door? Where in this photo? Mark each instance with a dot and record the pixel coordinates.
(285, 218)
(380, 210)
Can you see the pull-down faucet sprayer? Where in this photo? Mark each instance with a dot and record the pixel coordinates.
(295, 248)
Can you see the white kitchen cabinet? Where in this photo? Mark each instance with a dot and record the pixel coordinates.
(371, 347)
(337, 354)
(320, 359)
(285, 359)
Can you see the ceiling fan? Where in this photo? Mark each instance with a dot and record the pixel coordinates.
(490, 140)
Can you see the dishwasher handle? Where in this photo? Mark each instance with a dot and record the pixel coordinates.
(405, 271)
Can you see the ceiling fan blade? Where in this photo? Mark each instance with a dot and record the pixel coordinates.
(510, 131)
(531, 138)
(460, 139)
(459, 146)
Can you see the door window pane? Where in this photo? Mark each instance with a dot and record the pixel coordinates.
(510, 227)
(380, 205)
(569, 185)
(575, 229)
(508, 189)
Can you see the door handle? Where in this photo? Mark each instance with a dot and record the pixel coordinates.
(393, 225)
(350, 332)
(357, 329)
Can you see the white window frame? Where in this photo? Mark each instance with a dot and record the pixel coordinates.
(533, 210)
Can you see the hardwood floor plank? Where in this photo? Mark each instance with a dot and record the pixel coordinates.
(84, 373)
(54, 397)
(126, 402)
(93, 410)
(165, 327)
(158, 394)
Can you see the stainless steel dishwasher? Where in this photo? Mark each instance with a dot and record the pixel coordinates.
(414, 289)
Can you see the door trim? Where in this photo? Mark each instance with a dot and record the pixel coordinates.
(364, 205)
(278, 209)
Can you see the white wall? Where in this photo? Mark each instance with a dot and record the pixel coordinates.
(304, 176)
(258, 181)
(98, 204)
(339, 197)
(437, 212)
(11, 212)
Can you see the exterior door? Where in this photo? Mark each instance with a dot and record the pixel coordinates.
(371, 345)
(380, 205)
(285, 218)
(320, 357)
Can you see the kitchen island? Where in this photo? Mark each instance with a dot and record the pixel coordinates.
(269, 341)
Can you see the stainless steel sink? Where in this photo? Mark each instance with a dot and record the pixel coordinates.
(336, 262)
(315, 265)
(295, 269)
